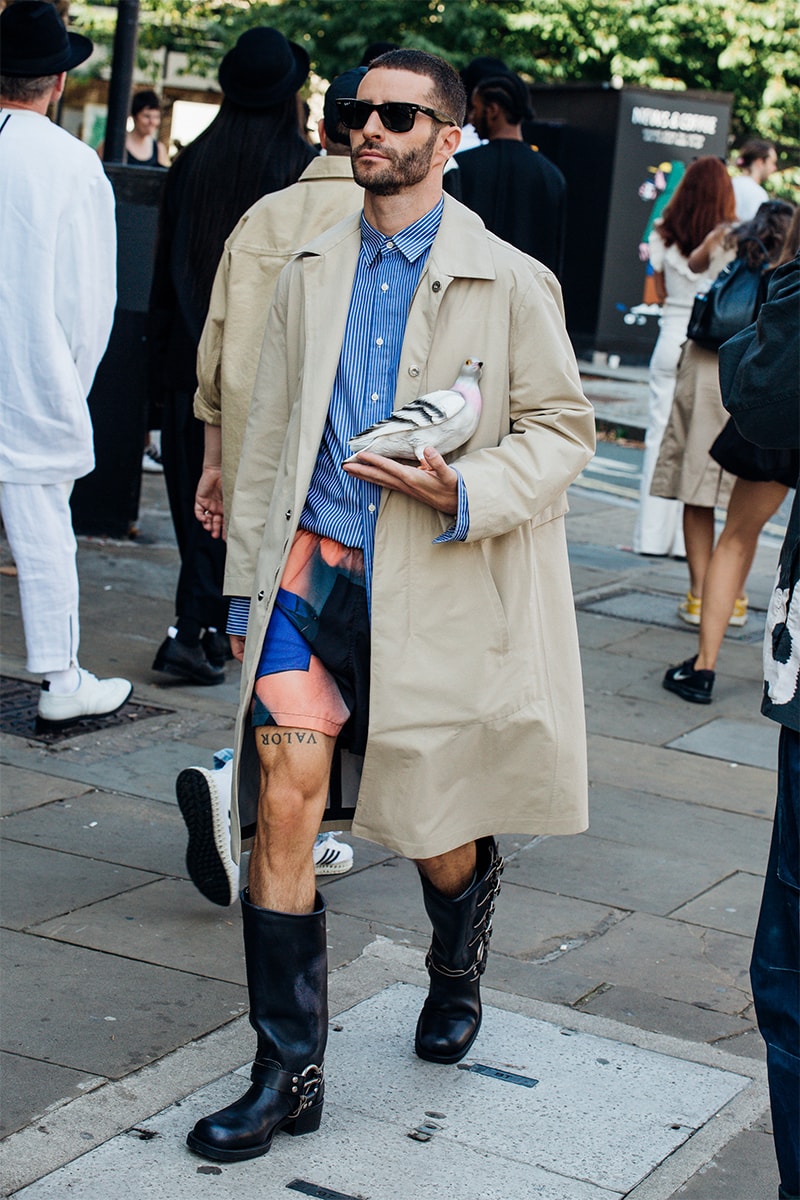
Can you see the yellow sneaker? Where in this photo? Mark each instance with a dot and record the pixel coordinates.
(690, 608)
(739, 614)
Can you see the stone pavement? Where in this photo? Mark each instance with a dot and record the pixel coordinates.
(618, 1055)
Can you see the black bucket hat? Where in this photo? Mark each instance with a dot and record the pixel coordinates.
(34, 41)
(262, 69)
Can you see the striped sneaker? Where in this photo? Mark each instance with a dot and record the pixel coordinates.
(331, 857)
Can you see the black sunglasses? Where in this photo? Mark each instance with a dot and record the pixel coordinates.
(395, 115)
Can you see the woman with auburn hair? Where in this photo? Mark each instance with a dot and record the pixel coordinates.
(703, 200)
(687, 470)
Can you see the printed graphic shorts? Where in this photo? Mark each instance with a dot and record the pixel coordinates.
(314, 667)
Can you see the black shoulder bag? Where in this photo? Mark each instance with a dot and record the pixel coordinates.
(729, 304)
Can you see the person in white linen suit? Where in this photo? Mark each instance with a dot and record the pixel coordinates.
(57, 297)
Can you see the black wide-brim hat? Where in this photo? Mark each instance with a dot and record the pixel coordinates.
(262, 69)
(35, 42)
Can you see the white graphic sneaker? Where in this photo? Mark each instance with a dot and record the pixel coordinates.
(204, 798)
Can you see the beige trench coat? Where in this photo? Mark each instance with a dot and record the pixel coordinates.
(476, 721)
(262, 243)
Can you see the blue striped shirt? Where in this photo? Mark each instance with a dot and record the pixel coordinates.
(387, 274)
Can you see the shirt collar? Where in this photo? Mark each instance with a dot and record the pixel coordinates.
(412, 241)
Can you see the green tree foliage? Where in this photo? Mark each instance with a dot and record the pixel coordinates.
(750, 48)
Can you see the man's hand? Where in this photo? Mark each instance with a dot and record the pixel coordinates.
(208, 502)
(433, 482)
(237, 646)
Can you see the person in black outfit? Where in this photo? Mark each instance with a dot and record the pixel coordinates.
(253, 146)
(518, 193)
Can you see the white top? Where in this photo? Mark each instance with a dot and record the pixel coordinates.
(681, 284)
(57, 296)
(749, 197)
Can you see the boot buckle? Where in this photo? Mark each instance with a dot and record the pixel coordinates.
(306, 1086)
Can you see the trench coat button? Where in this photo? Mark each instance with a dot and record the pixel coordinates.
(260, 596)
(436, 286)
(288, 514)
(413, 370)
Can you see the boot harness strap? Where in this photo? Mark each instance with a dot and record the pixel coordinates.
(304, 1085)
(483, 927)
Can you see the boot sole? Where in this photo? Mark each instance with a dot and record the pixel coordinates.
(307, 1122)
(206, 867)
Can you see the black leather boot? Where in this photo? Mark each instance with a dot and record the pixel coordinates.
(287, 980)
(451, 1015)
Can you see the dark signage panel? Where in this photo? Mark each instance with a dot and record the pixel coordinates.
(623, 152)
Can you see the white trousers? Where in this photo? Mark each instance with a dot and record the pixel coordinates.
(659, 525)
(38, 525)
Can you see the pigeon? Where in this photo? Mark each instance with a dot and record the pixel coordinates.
(443, 419)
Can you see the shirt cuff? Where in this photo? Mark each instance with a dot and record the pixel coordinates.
(238, 616)
(459, 530)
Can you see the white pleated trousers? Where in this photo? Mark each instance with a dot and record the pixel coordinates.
(38, 524)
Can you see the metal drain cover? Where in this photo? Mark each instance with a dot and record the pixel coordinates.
(19, 700)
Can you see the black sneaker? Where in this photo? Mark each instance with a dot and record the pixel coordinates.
(689, 684)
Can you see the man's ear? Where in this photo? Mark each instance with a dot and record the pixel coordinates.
(58, 88)
(451, 140)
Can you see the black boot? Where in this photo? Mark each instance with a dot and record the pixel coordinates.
(287, 981)
(451, 1015)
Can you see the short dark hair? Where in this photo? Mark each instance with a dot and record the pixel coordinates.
(752, 150)
(510, 93)
(142, 100)
(26, 89)
(448, 90)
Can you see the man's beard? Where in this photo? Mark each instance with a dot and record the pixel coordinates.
(401, 170)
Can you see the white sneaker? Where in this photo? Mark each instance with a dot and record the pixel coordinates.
(204, 798)
(93, 698)
(151, 459)
(331, 857)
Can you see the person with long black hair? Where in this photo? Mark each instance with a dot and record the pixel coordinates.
(252, 147)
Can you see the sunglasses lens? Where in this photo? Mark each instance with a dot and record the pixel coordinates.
(353, 114)
(397, 117)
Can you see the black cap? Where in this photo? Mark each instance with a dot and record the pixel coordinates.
(343, 87)
(35, 42)
(262, 69)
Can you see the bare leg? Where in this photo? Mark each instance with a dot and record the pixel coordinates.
(450, 873)
(295, 768)
(698, 532)
(751, 506)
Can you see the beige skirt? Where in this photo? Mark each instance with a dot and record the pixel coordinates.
(684, 469)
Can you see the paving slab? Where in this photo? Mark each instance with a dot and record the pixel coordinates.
(731, 905)
(99, 1013)
(655, 608)
(676, 1018)
(737, 1171)
(651, 879)
(167, 923)
(669, 958)
(731, 841)
(754, 743)
(646, 720)
(542, 1111)
(31, 1086)
(666, 772)
(37, 883)
(107, 827)
(21, 789)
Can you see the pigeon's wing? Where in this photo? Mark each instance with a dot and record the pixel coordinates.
(422, 413)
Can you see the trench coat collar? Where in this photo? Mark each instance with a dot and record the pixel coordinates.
(461, 249)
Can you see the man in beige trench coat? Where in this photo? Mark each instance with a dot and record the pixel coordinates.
(447, 601)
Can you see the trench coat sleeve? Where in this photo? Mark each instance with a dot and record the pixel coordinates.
(208, 398)
(265, 434)
(552, 433)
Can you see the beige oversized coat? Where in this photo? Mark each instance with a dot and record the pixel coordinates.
(256, 252)
(476, 719)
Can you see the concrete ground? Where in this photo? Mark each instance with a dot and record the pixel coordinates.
(617, 988)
